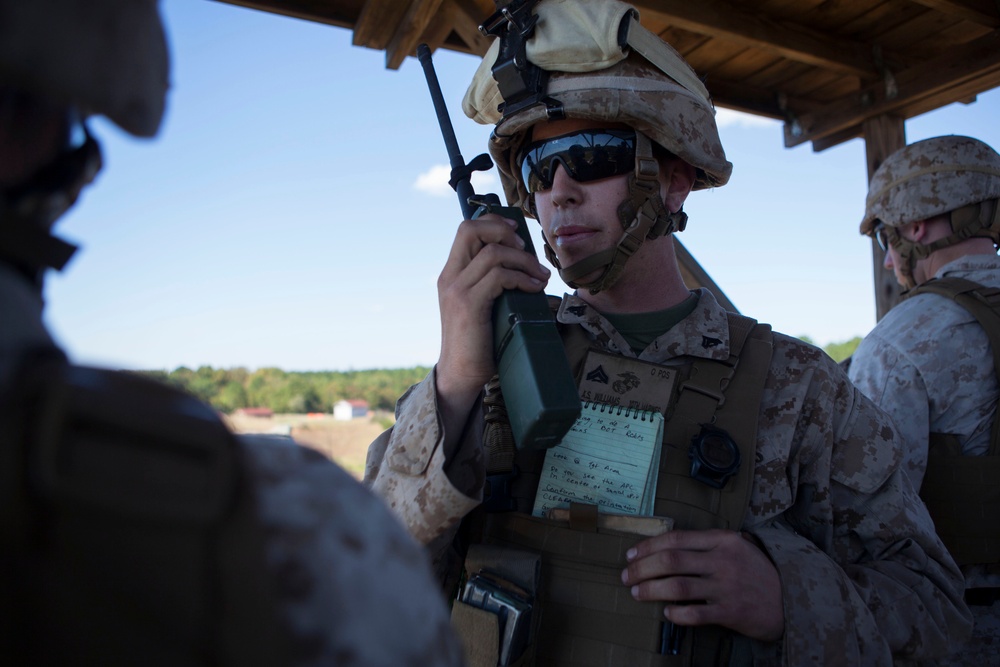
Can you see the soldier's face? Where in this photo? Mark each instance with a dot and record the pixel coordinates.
(578, 219)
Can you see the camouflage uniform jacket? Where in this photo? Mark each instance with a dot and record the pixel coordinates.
(351, 586)
(864, 577)
(928, 364)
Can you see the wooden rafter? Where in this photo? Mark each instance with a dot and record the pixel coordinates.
(465, 22)
(410, 31)
(928, 86)
(717, 18)
(377, 22)
(983, 12)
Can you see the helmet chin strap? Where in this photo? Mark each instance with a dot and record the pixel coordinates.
(642, 214)
(974, 220)
(28, 212)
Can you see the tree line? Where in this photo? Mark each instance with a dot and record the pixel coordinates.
(838, 351)
(318, 391)
(290, 391)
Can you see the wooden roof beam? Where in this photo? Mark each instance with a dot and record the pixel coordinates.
(377, 23)
(933, 84)
(983, 12)
(754, 100)
(410, 31)
(723, 19)
(441, 28)
(466, 18)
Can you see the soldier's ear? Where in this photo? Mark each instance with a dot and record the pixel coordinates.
(676, 180)
(920, 231)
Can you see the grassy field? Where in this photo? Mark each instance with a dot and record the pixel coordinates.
(345, 442)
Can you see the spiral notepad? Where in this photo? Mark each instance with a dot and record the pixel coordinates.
(609, 458)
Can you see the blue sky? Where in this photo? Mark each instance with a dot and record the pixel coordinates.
(294, 211)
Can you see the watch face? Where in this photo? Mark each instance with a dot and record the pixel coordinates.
(718, 451)
(714, 457)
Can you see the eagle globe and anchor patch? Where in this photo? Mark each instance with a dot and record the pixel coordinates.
(629, 383)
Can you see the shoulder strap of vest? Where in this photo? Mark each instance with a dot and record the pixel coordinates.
(726, 395)
(983, 303)
(112, 468)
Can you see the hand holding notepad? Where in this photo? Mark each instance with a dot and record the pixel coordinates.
(609, 458)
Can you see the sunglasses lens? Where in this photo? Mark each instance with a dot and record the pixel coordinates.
(588, 155)
(882, 238)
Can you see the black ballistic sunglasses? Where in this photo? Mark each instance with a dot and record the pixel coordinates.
(882, 237)
(587, 155)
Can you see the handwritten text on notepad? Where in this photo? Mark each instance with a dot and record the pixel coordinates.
(605, 460)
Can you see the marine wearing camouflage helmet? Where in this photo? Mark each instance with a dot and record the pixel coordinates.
(953, 176)
(793, 524)
(932, 362)
(137, 529)
(618, 71)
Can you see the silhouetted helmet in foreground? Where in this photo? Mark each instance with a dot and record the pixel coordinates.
(591, 59)
(103, 57)
(62, 61)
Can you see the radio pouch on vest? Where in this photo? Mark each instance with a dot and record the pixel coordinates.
(962, 493)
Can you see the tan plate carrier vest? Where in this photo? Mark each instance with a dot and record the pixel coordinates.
(962, 493)
(587, 616)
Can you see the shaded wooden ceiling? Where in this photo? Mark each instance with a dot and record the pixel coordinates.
(824, 67)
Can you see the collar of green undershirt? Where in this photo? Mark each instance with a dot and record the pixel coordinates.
(641, 329)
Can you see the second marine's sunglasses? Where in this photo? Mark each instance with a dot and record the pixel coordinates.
(881, 237)
(587, 155)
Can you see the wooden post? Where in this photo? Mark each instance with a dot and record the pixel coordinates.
(884, 135)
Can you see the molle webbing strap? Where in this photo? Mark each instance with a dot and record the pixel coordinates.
(725, 395)
(498, 438)
(962, 493)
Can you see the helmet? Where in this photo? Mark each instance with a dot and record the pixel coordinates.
(954, 175)
(106, 57)
(66, 60)
(591, 59)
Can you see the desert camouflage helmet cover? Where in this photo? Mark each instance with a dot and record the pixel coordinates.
(644, 83)
(929, 178)
(106, 57)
